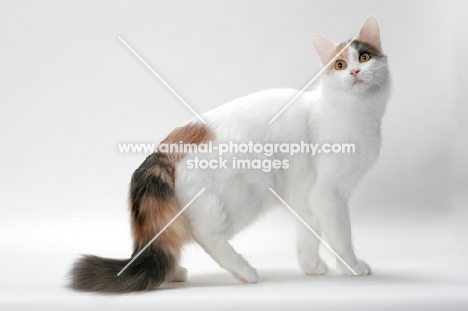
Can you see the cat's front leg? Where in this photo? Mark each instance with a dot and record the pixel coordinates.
(308, 247)
(330, 206)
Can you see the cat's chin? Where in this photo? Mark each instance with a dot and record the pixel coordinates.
(351, 87)
(360, 88)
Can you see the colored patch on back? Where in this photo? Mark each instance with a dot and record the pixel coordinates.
(193, 133)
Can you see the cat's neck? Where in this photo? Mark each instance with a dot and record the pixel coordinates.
(369, 105)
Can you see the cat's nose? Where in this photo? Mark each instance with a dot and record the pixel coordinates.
(354, 72)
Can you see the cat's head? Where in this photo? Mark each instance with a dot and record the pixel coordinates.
(360, 67)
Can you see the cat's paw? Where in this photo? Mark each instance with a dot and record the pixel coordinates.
(249, 275)
(313, 268)
(361, 268)
(180, 275)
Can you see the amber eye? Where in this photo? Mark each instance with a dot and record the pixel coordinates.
(340, 65)
(364, 57)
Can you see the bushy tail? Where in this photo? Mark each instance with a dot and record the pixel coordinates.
(153, 205)
(148, 271)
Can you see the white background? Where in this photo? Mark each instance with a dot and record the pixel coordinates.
(70, 91)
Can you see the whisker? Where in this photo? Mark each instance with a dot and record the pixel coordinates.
(382, 77)
(378, 86)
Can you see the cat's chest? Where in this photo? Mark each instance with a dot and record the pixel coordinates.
(356, 137)
(347, 127)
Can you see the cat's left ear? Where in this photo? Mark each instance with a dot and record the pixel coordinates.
(370, 33)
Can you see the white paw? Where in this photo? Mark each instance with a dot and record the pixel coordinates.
(361, 268)
(180, 275)
(313, 268)
(249, 275)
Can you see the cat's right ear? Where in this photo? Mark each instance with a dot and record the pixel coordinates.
(325, 48)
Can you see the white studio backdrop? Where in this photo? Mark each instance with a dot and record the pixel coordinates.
(70, 91)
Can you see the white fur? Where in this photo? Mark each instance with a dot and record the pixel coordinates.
(317, 187)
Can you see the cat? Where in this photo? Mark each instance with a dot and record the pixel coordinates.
(347, 107)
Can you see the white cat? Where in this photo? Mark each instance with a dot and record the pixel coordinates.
(347, 108)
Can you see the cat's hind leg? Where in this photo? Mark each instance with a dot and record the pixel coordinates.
(211, 228)
(226, 256)
(180, 275)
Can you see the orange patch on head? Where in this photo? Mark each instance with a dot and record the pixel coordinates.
(342, 56)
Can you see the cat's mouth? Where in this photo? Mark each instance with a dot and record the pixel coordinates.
(358, 81)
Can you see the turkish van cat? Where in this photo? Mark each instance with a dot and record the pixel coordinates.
(347, 108)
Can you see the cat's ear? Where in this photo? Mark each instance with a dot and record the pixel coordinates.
(370, 33)
(325, 48)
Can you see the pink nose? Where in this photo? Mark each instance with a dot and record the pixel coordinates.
(354, 72)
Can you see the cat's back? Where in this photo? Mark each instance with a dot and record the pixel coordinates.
(248, 116)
